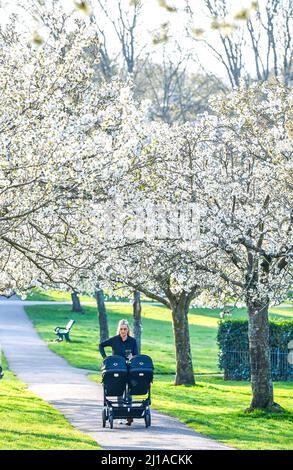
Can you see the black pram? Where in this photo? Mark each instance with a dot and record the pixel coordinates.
(121, 377)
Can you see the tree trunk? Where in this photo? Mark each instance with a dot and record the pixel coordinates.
(76, 307)
(184, 368)
(102, 315)
(260, 361)
(137, 325)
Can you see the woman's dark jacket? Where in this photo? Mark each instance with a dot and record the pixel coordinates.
(119, 346)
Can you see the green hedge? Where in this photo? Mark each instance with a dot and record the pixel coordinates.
(233, 349)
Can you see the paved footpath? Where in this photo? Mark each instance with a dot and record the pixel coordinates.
(70, 391)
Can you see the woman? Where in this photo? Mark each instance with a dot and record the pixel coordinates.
(122, 345)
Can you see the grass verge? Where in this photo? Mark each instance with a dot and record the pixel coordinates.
(29, 423)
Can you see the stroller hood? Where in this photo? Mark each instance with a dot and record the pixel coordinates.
(114, 375)
(114, 363)
(141, 361)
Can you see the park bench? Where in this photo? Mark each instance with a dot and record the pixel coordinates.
(63, 331)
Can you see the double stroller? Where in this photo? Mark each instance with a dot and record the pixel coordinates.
(122, 379)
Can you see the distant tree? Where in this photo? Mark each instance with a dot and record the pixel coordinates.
(102, 314)
(137, 322)
(260, 34)
(176, 93)
(76, 307)
(124, 21)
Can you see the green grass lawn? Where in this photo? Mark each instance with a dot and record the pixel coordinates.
(216, 408)
(29, 423)
(157, 329)
(59, 296)
(157, 333)
(54, 295)
(213, 406)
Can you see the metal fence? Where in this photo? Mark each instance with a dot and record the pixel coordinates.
(237, 366)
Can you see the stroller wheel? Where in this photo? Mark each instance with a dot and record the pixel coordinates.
(111, 420)
(104, 418)
(147, 418)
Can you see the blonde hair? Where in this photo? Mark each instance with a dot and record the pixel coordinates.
(123, 322)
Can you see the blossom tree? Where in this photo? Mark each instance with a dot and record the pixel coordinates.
(146, 246)
(250, 211)
(56, 148)
(237, 165)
